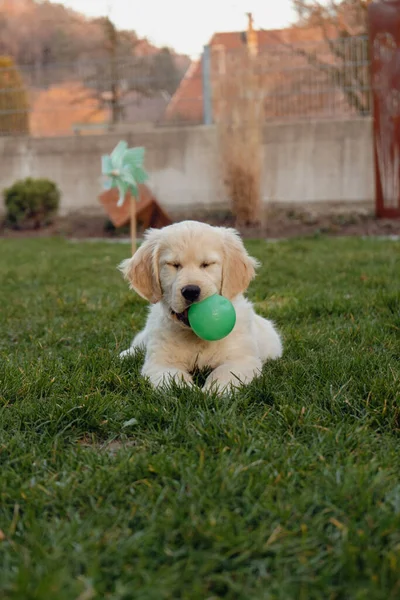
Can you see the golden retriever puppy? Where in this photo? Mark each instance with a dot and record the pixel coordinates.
(182, 264)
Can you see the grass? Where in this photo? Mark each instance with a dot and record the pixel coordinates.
(289, 490)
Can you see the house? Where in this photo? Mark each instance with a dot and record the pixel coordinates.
(285, 74)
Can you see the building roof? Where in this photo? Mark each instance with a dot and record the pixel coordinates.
(265, 37)
(187, 103)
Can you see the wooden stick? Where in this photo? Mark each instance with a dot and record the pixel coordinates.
(133, 223)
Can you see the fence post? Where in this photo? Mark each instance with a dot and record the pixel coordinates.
(384, 29)
(207, 99)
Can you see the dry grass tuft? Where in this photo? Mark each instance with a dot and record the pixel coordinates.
(239, 116)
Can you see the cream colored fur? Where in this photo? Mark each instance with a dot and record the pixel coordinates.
(214, 258)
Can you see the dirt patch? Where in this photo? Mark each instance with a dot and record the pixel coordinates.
(280, 222)
(112, 447)
(333, 220)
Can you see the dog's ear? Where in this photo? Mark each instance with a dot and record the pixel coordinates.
(142, 269)
(239, 268)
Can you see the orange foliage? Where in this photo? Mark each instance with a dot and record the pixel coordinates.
(56, 110)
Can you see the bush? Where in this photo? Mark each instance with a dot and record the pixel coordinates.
(31, 202)
(14, 108)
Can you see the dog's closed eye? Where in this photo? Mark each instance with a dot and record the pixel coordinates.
(175, 265)
(205, 265)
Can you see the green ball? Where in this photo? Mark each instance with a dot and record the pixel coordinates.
(213, 318)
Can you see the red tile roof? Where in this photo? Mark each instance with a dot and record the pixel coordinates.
(187, 103)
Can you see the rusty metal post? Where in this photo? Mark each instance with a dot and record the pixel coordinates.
(384, 26)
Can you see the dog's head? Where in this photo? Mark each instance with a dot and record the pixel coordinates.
(188, 262)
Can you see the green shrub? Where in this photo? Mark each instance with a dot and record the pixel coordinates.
(31, 202)
(14, 107)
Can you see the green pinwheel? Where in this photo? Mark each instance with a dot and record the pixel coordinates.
(124, 170)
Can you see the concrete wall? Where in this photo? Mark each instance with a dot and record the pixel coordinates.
(317, 161)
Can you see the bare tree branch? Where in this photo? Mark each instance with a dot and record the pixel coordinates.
(347, 18)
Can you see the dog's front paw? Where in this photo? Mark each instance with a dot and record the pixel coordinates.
(220, 384)
(127, 353)
(227, 377)
(163, 377)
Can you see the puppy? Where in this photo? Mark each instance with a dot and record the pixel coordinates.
(182, 264)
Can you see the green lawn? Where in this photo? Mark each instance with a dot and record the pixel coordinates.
(289, 490)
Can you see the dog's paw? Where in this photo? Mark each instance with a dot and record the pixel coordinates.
(160, 379)
(127, 353)
(222, 383)
(215, 387)
(228, 377)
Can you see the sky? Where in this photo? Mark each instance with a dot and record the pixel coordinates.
(187, 25)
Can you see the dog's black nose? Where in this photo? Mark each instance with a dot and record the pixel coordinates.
(190, 292)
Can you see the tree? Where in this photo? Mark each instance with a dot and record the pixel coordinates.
(111, 37)
(59, 46)
(122, 72)
(165, 73)
(348, 17)
(14, 115)
(343, 24)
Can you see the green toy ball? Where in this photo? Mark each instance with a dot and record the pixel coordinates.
(213, 318)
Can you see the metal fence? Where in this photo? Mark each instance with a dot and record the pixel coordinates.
(328, 79)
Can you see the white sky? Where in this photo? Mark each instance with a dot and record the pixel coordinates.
(187, 25)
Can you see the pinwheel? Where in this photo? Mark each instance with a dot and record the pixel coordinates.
(123, 169)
